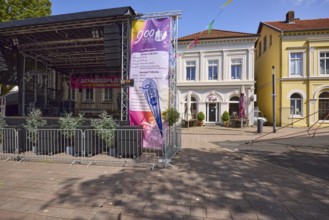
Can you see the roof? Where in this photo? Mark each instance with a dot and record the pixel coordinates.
(216, 34)
(68, 17)
(78, 43)
(299, 25)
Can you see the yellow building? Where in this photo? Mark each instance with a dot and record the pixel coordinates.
(299, 51)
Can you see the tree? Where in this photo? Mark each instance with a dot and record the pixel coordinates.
(20, 9)
(171, 116)
(11, 10)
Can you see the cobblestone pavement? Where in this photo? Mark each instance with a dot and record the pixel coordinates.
(207, 181)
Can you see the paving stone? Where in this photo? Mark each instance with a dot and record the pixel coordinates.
(208, 182)
(198, 211)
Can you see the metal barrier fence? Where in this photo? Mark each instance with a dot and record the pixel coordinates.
(121, 147)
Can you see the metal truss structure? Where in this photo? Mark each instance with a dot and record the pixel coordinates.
(84, 43)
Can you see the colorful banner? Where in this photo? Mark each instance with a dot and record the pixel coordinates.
(94, 82)
(149, 67)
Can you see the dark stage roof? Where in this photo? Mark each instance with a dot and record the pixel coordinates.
(78, 43)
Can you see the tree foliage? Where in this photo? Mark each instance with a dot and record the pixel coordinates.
(105, 127)
(11, 10)
(20, 9)
(171, 116)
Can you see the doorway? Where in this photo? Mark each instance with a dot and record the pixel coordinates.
(212, 112)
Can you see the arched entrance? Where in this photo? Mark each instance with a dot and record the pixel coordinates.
(324, 105)
(234, 106)
(213, 110)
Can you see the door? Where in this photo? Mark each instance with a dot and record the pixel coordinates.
(212, 112)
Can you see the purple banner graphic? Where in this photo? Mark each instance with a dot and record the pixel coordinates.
(149, 67)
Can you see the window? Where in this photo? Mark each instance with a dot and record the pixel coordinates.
(271, 40)
(265, 43)
(190, 70)
(71, 94)
(107, 94)
(212, 69)
(324, 106)
(324, 63)
(296, 64)
(296, 104)
(236, 68)
(89, 94)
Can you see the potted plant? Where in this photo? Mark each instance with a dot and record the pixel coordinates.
(105, 128)
(200, 118)
(69, 124)
(34, 121)
(171, 116)
(225, 118)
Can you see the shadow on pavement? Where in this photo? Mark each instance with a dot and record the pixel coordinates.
(203, 184)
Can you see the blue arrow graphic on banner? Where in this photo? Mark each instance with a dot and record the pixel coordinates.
(151, 94)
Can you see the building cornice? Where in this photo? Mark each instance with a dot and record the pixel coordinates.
(215, 84)
(221, 41)
(319, 78)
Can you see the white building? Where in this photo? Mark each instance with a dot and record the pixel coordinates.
(213, 73)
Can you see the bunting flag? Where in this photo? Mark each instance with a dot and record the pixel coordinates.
(226, 3)
(209, 26)
(196, 40)
(190, 44)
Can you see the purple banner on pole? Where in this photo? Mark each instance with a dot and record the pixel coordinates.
(149, 67)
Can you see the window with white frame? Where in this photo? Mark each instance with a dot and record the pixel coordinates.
(212, 69)
(71, 94)
(324, 63)
(107, 94)
(236, 68)
(190, 70)
(89, 95)
(296, 64)
(296, 104)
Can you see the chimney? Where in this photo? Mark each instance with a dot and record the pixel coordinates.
(290, 17)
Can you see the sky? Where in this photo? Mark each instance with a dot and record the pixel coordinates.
(239, 15)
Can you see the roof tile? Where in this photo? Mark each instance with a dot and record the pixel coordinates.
(301, 25)
(215, 34)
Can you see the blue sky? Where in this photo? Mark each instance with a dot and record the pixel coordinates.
(240, 15)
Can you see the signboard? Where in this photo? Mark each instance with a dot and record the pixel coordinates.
(212, 98)
(149, 67)
(94, 82)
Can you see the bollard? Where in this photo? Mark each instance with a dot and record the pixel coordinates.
(259, 126)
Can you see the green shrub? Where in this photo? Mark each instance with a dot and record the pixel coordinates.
(69, 123)
(105, 126)
(171, 116)
(200, 116)
(34, 121)
(225, 116)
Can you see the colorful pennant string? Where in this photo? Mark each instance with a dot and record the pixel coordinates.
(226, 3)
(209, 26)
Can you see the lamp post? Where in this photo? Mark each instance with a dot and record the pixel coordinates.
(274, 98)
